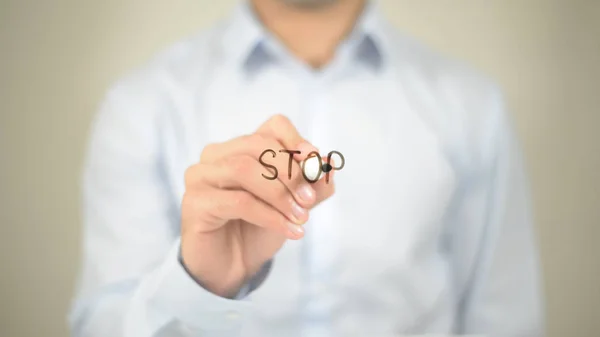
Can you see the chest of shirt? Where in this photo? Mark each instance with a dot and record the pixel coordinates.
(396, 170)
(380, 233)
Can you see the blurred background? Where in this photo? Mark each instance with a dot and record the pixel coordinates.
(57, 58)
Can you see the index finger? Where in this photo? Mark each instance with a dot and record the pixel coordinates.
(282, 129)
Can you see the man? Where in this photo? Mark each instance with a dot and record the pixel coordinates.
(428, 231)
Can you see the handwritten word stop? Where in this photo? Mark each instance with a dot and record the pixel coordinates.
(312, 166)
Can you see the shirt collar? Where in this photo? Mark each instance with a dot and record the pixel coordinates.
(245, 39)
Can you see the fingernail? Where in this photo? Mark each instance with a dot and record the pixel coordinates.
(298, 212)
(306, 193)
(295, 229)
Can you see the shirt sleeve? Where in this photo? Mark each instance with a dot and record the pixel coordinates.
(493, 245)
(131, 282)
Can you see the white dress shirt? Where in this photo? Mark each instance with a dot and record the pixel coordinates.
(429, 231)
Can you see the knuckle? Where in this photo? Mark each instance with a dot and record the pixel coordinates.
(191, 206)
(227, 181)
(207, 153)
(220, 206)
(189, 175)
(186, 201)
(246, 138)
(257, 137)
(258, 141)
(252, 138)
(224, 183)
(241, 200)
(196, 213)
(239, 165)
(279, 119)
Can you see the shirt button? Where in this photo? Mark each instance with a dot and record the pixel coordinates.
(233, 315)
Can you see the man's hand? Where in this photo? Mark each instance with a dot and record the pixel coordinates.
(233, 219)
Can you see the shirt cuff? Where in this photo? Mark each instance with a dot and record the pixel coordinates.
(178, 294)
(255, 281)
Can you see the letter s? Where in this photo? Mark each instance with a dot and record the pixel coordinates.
(268, 165)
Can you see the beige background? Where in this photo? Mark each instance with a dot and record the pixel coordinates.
(58, 57)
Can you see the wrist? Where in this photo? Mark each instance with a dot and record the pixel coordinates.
(223, 282)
